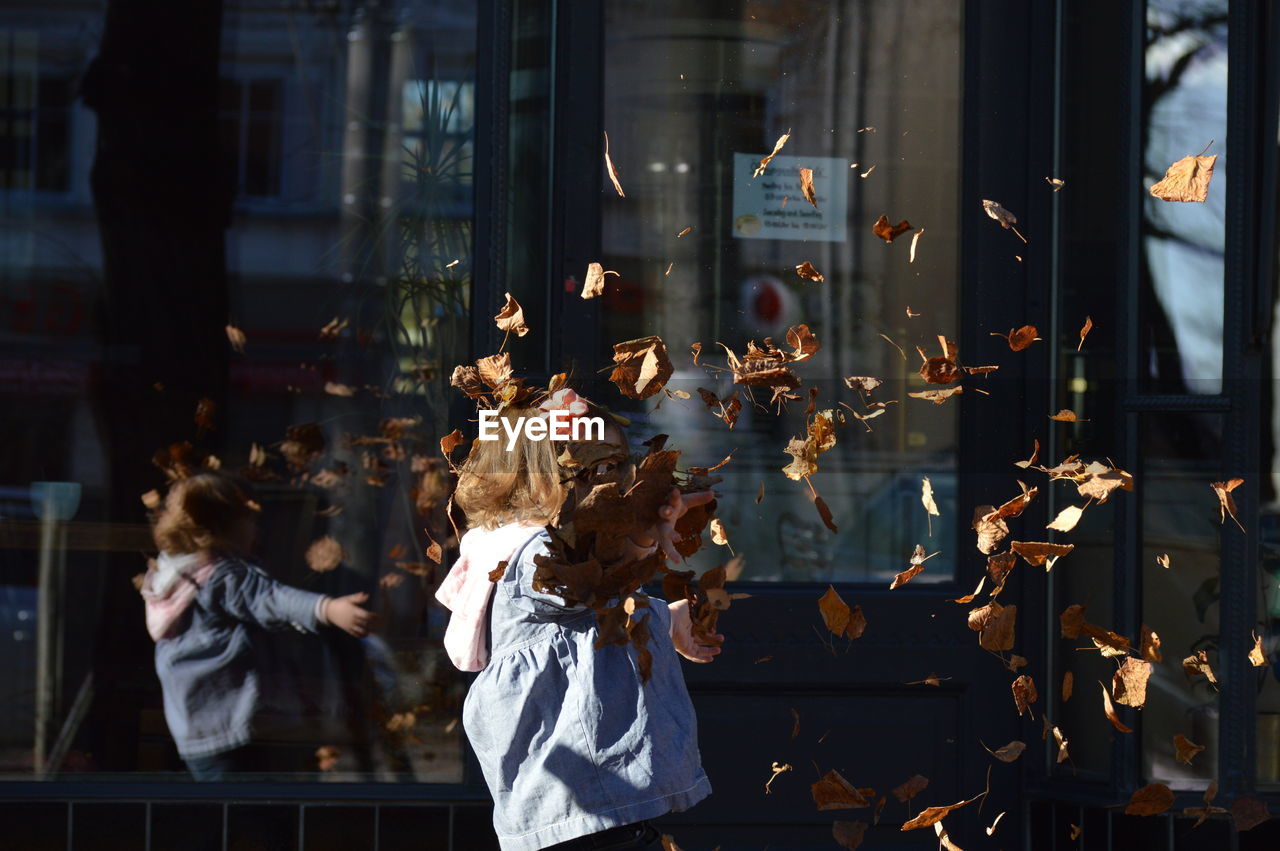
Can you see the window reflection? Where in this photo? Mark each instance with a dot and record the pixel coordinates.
(695, 96)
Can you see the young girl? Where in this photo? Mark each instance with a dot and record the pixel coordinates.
(208, 610)
(576, 750)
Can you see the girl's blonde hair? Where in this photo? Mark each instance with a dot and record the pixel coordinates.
(496, 486)
(207, 511)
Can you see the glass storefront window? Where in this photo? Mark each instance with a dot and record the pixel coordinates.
(300, 175)
(696, 94)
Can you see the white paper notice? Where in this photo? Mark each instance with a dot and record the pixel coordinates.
(758, 211)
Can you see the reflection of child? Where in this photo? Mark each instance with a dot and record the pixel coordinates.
(207, 608)
(577, 751)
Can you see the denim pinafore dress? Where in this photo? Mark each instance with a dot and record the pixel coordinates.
(570, 741)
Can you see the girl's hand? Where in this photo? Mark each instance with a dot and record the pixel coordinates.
(663, 533)
(683, 639)
(345, 613)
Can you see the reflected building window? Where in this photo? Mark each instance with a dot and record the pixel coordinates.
(251, 121)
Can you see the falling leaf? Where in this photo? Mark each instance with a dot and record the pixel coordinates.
(862, 382)
(613, 172)
(910, 314)
(726, 409)
(760, 493)
(1149, 642)
(1129, 683)
(933, 815)
(327, 757)
(236, 338)
(1068, 683)
(1109, 709)
(1009, 752)
(1019, 338)
(1076, 830)
(825, 513)
(151, 499)
(1084, 332)
(944, 838)
(806, 270)
(926, 497)
(1150, 800)
(866, 173)
(451, 441)
(1186, 180)
(670, 266)
(911, 787)
(839, 618)
(779, 769)
(889, 232)
(1163, 561)
(1035, 455)
(937, 397)
(1185, 749)
(683, 232)
(777, 146)
(1067, 519)
(669, 843)
(325, 554)
(1199, 664)
(918, 558)
(1257, 657)
(1249, 812)
(833, 792)
(593, 285)
(1066, 416)
(1226, 502)
(1036, 553)
(914, 239)
(511, 318)
(642, 367)
(1006, 219)
(992, 829)
(806, 186)
(1055, 183)
(1207, 810)
(849, 834)
(1024, 693)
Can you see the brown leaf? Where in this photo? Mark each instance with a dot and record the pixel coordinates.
(1000, 214)
(1109, 709)
(1068, 683)
(1257, 657)
(998, 633)
(835, 611)
(726, 409)
(1035, 455)
(806, 345)
(451, 441)
(777, 146)
(1036, 553)
(1055, 183)
(1186, 180)
(864, 383)
(1129, 683)
(806, 186)
(1185, 749)
(937, 397)
(998, 567)
(1249, 812)
(1076, 830)
(1072, 621)
(1163, 561)
(643, 367)
(1066, 416)
(1009, 752)
(593, 285)
(889, 232)
(825, 513)
(911, 787)
(1084, 332)
(1024, 693)
(1199, 664)
(236, 338)
(806, 271)
(833, 792)
(1019, 338)
(932, 815)
(990, 527)
(325, 554)
(613, 172)
(849, 834)
(511, 318)
(1067, 519)
(1150, 800)
(1149, 642)
(1226, 502)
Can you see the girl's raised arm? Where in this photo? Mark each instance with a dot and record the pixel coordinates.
(246, 593)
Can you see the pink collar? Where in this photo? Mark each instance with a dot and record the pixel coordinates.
(467, 588)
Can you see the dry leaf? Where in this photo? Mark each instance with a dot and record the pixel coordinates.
(1019, 338)
(642, 367)
(236, 338)
(1076, 830)
(849, 834)
(1149, 642)
(613, 172)
(833, 792)
(911, 787)
(1109, 709)
(777, 146)
(325, 554)
(1185, 749)
(937, 397)
(806, 186)
(1067, 519)
(1009, 752)
(1024, 693)
(1163, 561)
(839, 618)
(806, 270)
(511, 318)
(1249, 812)
(889, 232)
(1199, 664)
(1055, 183)
(1084, 332)
(862, 382)
(933, 815)
(683, 232)
(1226, 502)
(1129, 683)
(1062, 741)
(1035, 456)
(1006, 219)
(914, 239)
(451, 441)
(593, 285)
(926, 497)
(1068, 683)
(1186, 180)
(1036, 553)
(825, 513)
(1066, 416)
(1257, 657)
(1150, 800)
